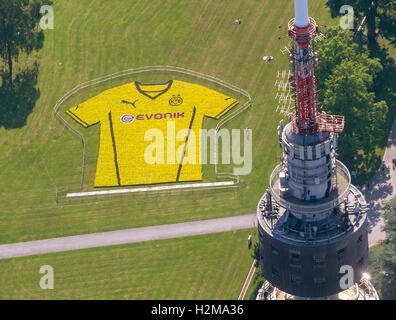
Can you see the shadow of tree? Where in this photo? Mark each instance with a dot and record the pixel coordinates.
(18, 101)
(380, 190)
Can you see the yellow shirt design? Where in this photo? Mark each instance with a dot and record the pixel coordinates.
(127, 112)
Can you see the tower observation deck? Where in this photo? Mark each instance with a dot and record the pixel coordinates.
(311, 219)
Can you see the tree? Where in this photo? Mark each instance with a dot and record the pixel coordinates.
(18, 21)
(378, 13)
(382, 264)
(387, 23)
(256, 254)
(346, 78)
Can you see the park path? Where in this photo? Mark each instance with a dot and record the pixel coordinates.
(110, 238)
(382, 188)
(247, 281)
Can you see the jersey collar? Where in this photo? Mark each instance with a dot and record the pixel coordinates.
(139, 86)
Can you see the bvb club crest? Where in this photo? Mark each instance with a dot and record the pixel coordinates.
(176, 100)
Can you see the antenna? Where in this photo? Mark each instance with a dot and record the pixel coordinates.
(303, 59)
(301, 13)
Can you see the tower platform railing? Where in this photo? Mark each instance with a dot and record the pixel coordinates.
(313, 29)
(325, 123)
(330, 123)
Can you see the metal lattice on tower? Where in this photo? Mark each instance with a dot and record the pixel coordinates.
(303, 60)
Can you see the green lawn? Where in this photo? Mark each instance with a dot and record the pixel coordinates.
(255, 285)
(105, 37)
(202, 267)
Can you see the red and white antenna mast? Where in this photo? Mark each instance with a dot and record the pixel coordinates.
(307, 120)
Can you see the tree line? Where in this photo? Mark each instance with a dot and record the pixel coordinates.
(355, 79)
(382, 260)
(18, 31)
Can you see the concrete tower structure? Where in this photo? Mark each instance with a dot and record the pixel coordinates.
(311, 220)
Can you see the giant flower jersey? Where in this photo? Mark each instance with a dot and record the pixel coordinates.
(127, 113)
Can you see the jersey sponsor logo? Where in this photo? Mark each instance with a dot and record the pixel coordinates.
(160, 116)
(176, 100)
(127, 118)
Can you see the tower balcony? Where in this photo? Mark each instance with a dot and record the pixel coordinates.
(281, 195)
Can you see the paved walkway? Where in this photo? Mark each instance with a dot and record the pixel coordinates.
(247, 281)
(102, 239)
(382, 188)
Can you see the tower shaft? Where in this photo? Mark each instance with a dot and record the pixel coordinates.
(311, 219)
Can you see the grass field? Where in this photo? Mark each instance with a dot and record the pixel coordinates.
(203, 267)
(101, 37)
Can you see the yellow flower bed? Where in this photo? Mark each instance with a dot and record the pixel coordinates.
(150, 133)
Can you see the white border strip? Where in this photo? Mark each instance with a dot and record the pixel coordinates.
(181, 186)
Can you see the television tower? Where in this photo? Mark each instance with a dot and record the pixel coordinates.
(312, 221)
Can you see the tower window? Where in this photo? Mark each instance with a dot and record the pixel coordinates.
(320, 280)
(275, 271)
(274, 250)
(319, 258)
(341, 253)
(295, 279)
(360, 239)
(295, 257)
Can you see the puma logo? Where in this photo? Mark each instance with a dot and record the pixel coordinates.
(131, 103)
